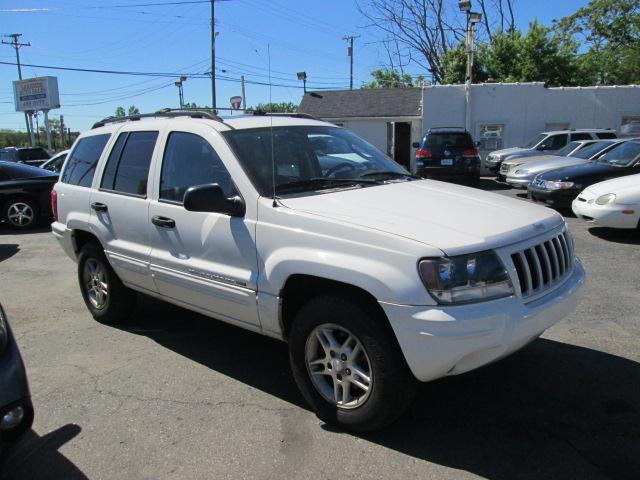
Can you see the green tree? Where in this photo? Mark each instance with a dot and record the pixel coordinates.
(610, 30)
(133, 110)
(384, 78)
(120, 112)
(281, 107)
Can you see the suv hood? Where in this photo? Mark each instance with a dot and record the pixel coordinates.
(452, 218)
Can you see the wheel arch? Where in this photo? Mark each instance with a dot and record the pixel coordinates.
(298, 289)
(80, 238)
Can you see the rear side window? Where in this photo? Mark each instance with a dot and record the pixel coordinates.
(580, 136)
(190, 160)
(127, 168)
(453, 139)
(83, 160)
(606, 135)
(554, 142)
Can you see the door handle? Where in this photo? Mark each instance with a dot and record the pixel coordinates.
(99, 207)
(163, 222)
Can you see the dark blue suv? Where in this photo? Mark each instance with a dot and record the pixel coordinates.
(449, 154)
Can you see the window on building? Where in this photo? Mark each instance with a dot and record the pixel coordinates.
(190, 160)
(83, 160)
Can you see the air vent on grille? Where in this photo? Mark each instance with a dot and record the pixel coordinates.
(541, 266)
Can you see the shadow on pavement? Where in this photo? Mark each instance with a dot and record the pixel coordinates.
(491, 183)
(553, 410)
(5, 230)
(617, 235)
(37, 458)
(8, 250)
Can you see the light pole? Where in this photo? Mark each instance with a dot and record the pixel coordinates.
(472, 19)
(303, 76)
(180, 91)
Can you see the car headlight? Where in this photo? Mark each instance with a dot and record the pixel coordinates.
(521, 173)
(4, 335)
(607, 198)
(466, 278)
(556, 185)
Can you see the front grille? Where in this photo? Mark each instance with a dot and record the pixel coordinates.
(542, 266)
(580, 199)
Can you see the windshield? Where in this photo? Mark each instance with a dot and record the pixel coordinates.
(449, 139)
(567, 149)
(591, 149)
(308, 158)
(535, 141)
(622, 155)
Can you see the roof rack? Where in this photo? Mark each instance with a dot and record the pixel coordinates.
(284, 114)
(164, 113)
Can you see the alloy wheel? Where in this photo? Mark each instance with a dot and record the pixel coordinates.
(20, 214)
(338, 366)
(96, 284)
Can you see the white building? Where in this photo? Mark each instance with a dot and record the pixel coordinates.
(505, 115)
(388, 118)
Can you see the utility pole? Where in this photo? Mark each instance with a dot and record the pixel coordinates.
(16, 45)
(62, 142)
(180, 90)
(213, 56)
(350, 39)
(244, 98)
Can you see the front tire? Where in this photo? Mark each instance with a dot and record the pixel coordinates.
(347, 365)
(21, 213)
(108, 300)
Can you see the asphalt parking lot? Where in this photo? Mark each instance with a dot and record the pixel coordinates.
(173, 395)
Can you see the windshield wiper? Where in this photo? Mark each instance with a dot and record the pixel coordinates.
(391, 174)
(321, 182)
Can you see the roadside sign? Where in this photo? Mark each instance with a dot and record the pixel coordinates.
(32, 94)
(236, 101)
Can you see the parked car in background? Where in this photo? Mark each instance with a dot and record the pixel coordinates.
(25, 194)
(34, 156)
(559, 187)
(16, 409)
(448, 153)
(522, 175)
(548, 142)
(613, 203)
(568, 150)
(56, 162)
(375, 278)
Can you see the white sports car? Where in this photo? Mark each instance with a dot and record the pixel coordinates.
(613, 203)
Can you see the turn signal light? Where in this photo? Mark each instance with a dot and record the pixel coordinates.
(628, 212)
(423, 153)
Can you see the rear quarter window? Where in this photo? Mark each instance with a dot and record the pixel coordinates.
(606, 135)
(82, 161)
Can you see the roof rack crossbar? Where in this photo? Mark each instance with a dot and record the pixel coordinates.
(165, 113)
(284, 114)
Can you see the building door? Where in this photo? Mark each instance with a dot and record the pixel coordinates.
(399, 142)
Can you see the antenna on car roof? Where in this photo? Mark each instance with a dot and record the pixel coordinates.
(273, 157)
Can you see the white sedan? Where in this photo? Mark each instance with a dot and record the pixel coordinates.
(613, 203)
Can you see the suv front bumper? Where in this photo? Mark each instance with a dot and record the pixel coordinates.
(437, 340)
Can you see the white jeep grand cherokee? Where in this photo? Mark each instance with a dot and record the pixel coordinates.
(300, 230)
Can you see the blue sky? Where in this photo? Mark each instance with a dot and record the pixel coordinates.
(302, 35)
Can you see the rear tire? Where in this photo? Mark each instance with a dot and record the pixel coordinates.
(21, 213)
(348, 326)
(108, 300)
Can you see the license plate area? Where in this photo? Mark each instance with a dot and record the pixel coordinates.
(446, 162)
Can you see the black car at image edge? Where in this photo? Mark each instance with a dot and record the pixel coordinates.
(25, 194)
(561, 186)
(16, 409)
(448, 153)
(34, 156)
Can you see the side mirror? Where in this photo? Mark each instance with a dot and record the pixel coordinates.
(211, 198)
(478, 144)
(415, 144)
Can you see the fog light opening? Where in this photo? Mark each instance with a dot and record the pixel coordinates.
(12, 418)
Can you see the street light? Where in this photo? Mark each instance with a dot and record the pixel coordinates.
(475, 17)
(178, 84)
(303, 76)
(464, 5)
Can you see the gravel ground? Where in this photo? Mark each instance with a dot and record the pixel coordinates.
(175, 395)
